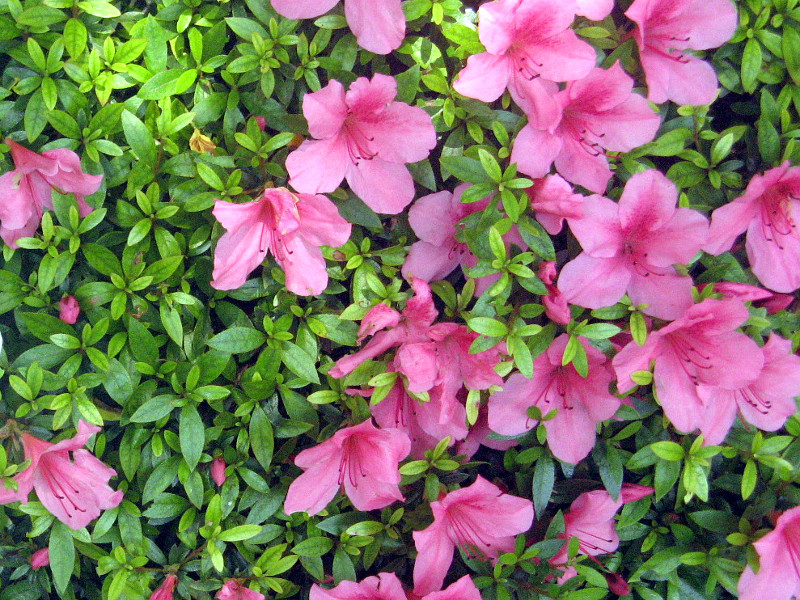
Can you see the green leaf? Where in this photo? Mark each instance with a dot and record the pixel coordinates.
(537, 239)
(667, 450)
(544, 477)
(465, 168)
(240, 533)
(749, 479)
(98, 8)
(238, 340)
(154, 409)
(313, 546)
(751, 64)
(262, 440)
(139, 138)
(299, 362)
(62, 555)
(487, 326)
(490, 166)
(790, 42)
(192, 435)
(162, 85)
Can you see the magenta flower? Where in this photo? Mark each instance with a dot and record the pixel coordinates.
(766, 402)
(379, 25)
(166, 589)
(552, 201)
(529, 45)
(361, 459)
(778, 577)
(40, 558)
(75, 491)
(631, 247)
(590, 518)
(599, 112)
(480, 519)
(292, 226)
(768, 210)
(218, 467)
(233, 590)
(26, 191)
(582, 402)
(69, 309)
(363, 136)
(702, 347)
(386, 586)
(555, 304)
(664, 30)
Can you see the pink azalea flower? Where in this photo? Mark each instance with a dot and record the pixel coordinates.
(40, 558)
(553, 200)
(590, 518)
(631, 247)
(702, 347)
(360, 459)
(27, 190)
(379, 25)
(166, 589)
(664, 30)
(778, 577)
(386, 586)
(480, 519)
(75, 491)
(363, 136)
(529, 45)
(768, 210)
(233, 590)
(596, 10)
(582, 402)
(69, 309)
(292, 226)
(774, 303)
(599, 112)
(766, 402)
(479, 436)
(555, 304)
(218, 467)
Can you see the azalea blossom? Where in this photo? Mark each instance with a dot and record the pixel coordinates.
(233, 590)
(598, 113)
(480, 519)
(665, 29)
(631, 246)
(774, 303)
(479, 436)
(778, 576)
(765, 403)
(26, 191)
(361, 459)
(69, 309)
(291, 226)
(379, 25)
(581, 402)
(702, 347)
(590, 518)
(166, 589)
(386, 586)
(768, 210)
(555, 304)
(553, 200)
(218, 467)
(40, 558)
(529, 45)
(76, 491)
(365, 137)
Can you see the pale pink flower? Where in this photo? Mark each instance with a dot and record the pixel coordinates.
(480, 519)
(555, 304)
(665, 29)
(233, 590)
(363, 136)
(596, 10)
(766, 402)
(379, 25)
(69, 309)
(582, 402)
(529, 45)
(218, 467)
(386, 586)
(166, 589)
(590, 518)
(361, 459)
(553, 200)
(40, 558)
(702, 347)
(768, 210)
(598, 113)
(26, 191)
(778, 577)
(75, 491)
(631, 246)
(291, 226)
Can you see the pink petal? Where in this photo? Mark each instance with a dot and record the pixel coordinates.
(417, 361)
(728, 222)
(385, 187)
(598, 230)
(434, 556)
(594, 282)
(677, 393)
(583, 166)
(305, 268)
(239, 250)
(563, 57)
(325, 110)
(693, 82)
(537, 98)
(596, 10)
(379, 25)
(534, 151)
(648, 201)
(433, 218)
(378, 317)
(485, 77)
(318, 166)
(313, 490)
(669, 294)
(774, 258)
(497, 27)
(404, 133)
(429, 262)
(320, 221)
(70, 177)
(463, 589)
(570, 435)
(368, 98)
(720, 413)
(678, 240)
(17, 203)
(634, 358)
(508, 408)
(303, 9)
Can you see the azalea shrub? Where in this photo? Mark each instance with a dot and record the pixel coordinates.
(388, 300)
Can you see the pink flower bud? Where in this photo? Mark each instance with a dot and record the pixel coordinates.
(164, 591)
(262, 123)
(218, 466)
(617, 584)
(69, 309)
(40, 558)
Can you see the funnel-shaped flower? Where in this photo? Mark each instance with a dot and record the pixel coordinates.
(599, 112)
(582, 402)
(26, 191)
(386, 586)
(292, 226)
(529, 45)
(769, 210)
(379, 25)
(631, 247)
(766, 402)
(75, 491)
(363, 136)
(166, 589)
(233, 590)
(480, 519)
(360, 459)
(700, 348)
(665, 29)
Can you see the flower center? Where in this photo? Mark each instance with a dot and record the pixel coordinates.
(359, 144)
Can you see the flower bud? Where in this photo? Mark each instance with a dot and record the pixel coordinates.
(69, 309)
